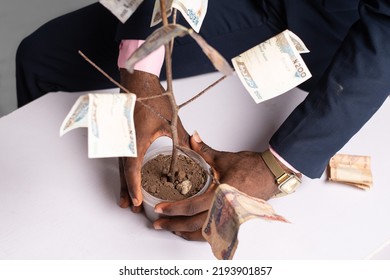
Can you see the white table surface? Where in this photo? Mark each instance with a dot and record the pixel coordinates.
(55, 203)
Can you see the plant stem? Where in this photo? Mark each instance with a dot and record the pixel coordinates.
(174, 18)
(171, 97)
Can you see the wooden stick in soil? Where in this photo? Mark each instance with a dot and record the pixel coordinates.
(171, 97)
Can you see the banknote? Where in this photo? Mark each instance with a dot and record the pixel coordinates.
(354, 170)
(164, 35)
(194, 11)
(77, 117)
(156, 16)
(298, 43)
(159, 37)
(122, 9)
(229, 209)
(272, 67)
(109, 118)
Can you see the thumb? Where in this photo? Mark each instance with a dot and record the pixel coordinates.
(202, 149)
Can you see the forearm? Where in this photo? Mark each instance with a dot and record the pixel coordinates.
(351, 90)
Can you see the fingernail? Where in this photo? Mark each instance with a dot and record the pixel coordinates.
(136, 209)
(135, 202)
(158, 210)
(156, 226)
(196, 137)
(178, 233)
(124, 203)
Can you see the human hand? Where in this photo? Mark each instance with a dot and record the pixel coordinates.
(246, 171)
(150, 119)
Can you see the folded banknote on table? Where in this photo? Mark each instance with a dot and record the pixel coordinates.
(351, 169)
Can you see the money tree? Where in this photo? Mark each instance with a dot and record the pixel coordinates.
(164, 36)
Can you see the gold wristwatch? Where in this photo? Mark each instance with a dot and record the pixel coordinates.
(287, 182)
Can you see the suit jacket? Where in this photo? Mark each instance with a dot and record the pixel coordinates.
(349, 91)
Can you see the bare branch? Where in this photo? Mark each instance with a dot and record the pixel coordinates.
(174, 107)
(202, 92)
(163, 10)
(104, 73)
(174, 16)
(154, 112)
(152, 97)
(174, 20)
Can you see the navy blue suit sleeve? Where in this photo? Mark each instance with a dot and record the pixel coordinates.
(351, 90)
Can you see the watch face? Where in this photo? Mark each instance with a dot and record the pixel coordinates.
(290, 185)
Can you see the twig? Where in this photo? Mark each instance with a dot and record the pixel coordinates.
(163, 10)
(104, 73)
(202, 92)
(174, 19)
(152, 97)
(154, 112)
(174, 16)
(171, 97)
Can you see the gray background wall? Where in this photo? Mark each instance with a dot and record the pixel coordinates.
(18, 18)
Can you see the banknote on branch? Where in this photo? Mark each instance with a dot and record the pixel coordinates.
(229, 209)
(122, 9)
(156, 15)
(110, 123)
(353, 170)
(272, 67)
(194, 11)
(164, 35)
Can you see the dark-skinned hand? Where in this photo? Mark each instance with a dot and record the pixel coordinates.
(246, 171)
(148, 126)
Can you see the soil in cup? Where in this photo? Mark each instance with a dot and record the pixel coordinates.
(189, 178)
